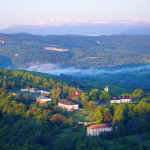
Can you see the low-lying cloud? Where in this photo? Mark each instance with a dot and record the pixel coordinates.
(55, 69)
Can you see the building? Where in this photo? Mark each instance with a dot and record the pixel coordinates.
(119, 100)
(43, 91)
(28, 90)
(68, 105)
(32, 90)
(106, 88)
(96, 129)
(43, 99)
(24, 90)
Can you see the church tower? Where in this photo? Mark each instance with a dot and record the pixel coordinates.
(106, 88)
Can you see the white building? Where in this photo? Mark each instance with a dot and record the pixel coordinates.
(119, 100)
(42, 91)
(68, 105)
(43, 99)
(96, 129)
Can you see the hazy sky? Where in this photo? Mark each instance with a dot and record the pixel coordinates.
(32, 12)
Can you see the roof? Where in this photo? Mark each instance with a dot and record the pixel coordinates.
(74, 95)
(43, 97)
(66, 102)
(119, 98)
(97, 126)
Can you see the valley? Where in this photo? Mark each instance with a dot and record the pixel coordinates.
(59, 89)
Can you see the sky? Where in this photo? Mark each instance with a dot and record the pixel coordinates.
(67, 12)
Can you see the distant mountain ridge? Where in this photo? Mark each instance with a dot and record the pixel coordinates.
(26, 50)
(83, 29)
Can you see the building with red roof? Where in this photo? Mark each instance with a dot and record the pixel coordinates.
(96, 129)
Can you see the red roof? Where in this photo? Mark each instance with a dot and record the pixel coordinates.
(74, 95)
(66, 102)
(97, 126)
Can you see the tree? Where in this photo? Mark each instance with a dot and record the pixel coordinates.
(142, 108)
(104, 95)
(138, 93)
(91, 105)
(126, 94)
(107, 115)
(98, 117)
(94, 94)
(55, 95)
(118, 114)
(58, 118)
(84, 98)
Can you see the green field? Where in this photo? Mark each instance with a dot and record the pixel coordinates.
(81, 115)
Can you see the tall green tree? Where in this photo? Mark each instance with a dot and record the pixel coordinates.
(98, 117)
(138, 93)
(118, 114)
(105, 96)
(94, 94)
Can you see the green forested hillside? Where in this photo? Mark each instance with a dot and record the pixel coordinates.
(27, 125)
(83, 51)
(117, 82)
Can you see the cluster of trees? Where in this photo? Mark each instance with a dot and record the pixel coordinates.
(123, 112)
(29, 126)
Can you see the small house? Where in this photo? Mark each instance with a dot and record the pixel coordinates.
(68, 105)
(43, 99)
(96, 129)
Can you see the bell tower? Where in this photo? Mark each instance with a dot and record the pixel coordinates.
(106, 88)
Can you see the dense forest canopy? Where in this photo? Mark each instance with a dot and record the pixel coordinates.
(23, 50)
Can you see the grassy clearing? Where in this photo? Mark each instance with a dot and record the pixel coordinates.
(82, 115)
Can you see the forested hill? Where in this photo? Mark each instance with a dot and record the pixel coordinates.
(23, 50)
(28, 125)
